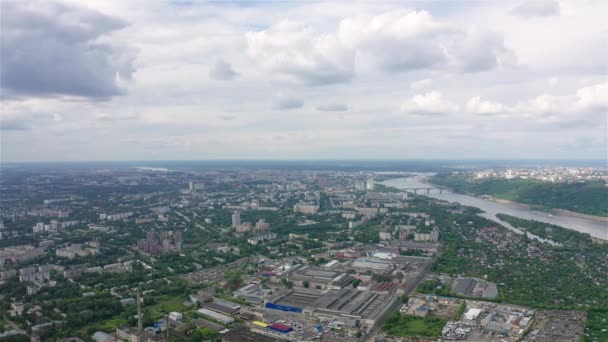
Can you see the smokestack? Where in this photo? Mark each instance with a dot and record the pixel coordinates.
(139, 323)
(167, 327)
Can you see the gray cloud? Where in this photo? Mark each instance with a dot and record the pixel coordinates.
(14, 124)
(393, 55)
(227, 117)
(480, 51)
(537, 8)
(116, 117)
(288, 103)
(222, 71)
(23, 120)
(332, 107)
(50, 48)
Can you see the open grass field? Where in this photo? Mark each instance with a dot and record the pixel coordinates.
(406, 325)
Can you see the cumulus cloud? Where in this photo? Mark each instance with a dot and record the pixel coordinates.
(431, 103)
(421, 84)
(476, 105)
(288, 103)
(50, 48)
(393, 41)
(294, 52)
(477, 50)
(582, 105)
(593, 98)
(543, 105)
(536, 8)
(222, 71)
(396, 40)
(587, 106)
(332, 107)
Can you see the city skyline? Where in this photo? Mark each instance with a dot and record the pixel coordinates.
(272, 80)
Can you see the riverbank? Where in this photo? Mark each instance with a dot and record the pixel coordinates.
(553, 211)
(594, 227)
(587, 198)
(550, 211)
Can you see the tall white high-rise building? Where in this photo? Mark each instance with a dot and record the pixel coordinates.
(370, 185)
(236, 219)
(360, 185)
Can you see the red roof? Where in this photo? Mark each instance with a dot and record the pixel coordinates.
(280, 326)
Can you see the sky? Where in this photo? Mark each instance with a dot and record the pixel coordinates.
(196, 80)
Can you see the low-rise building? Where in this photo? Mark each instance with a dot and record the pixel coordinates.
(372, 264)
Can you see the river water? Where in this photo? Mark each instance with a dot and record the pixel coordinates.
(594, 228)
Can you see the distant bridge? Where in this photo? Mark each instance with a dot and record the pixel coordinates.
(427, 189)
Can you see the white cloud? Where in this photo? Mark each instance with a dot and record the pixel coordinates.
(294, 52)
(593, 98)
(396, 40)
(15, 116)
(431, 103)
(553, 81)
(588, 105)
(421, 84)
(476, 105)
(479, 50)
(222, 71)
(393, 41)
(537, 8)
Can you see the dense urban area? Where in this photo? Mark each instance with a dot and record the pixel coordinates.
(117, 253)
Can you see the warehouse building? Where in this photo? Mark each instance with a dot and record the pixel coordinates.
(474, 287)
(373, 264)
(216, 315)
(351, 307)
(293, 301)
(320, 278)
(220, 308)
(252, 293)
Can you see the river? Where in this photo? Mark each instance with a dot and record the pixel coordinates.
(594, 228)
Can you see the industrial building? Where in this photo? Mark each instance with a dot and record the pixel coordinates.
(373, 264)
(220, 308)
(320, 278)
(473, 287)
(252, 293)
(215, 315)
(293, 301)
(349, 306)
